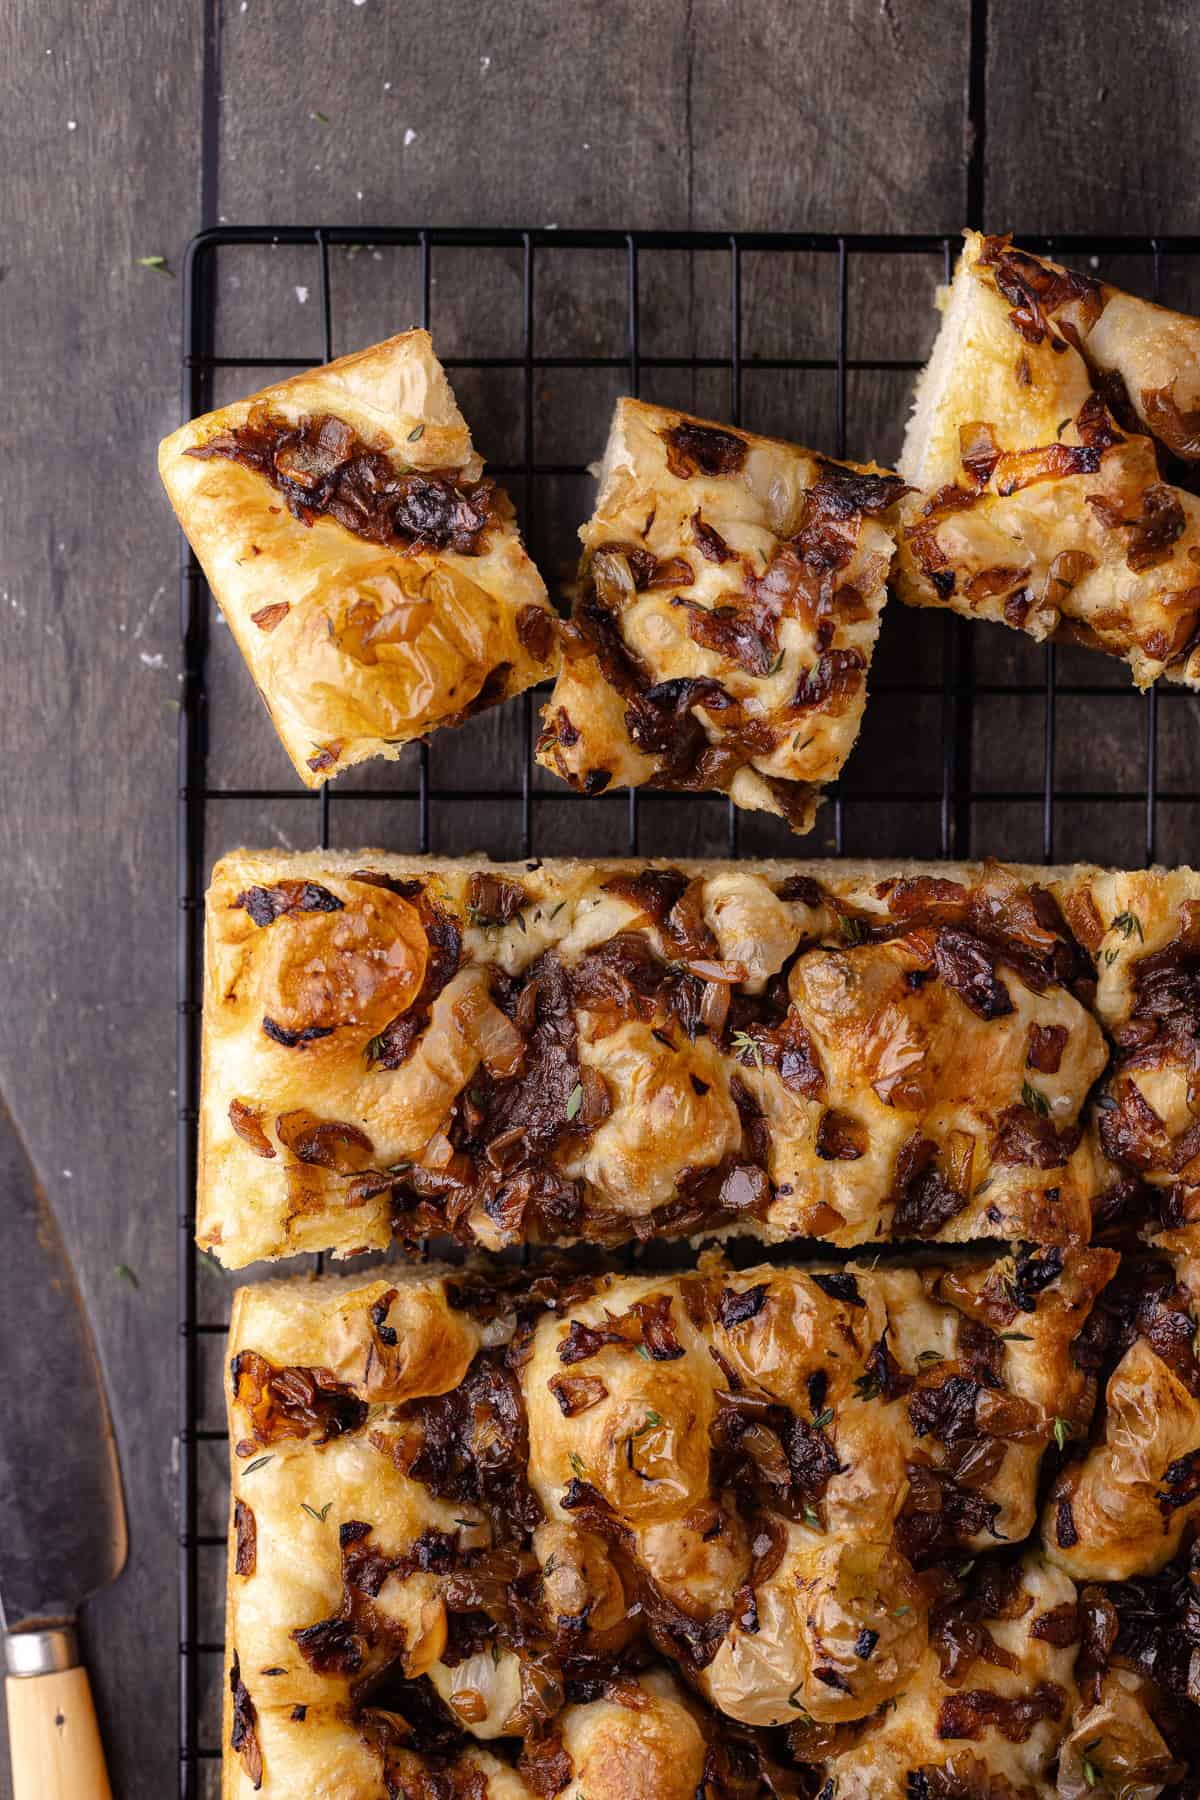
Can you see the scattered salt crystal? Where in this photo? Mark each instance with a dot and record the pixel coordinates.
(157, 661)
(72, 125)
(302, 295)
(410, 137)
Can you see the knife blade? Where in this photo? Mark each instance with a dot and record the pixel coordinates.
(61, 1504)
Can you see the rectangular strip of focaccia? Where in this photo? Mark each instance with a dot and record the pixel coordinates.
(725, 615)
(498, 1535)
(552, 1051)
(1053, 443)
(373, 577)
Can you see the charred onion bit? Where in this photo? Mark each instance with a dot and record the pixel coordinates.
(324, 469)
(292, 1402)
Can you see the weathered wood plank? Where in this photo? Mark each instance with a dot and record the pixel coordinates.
(100, 169)
(1091, 117)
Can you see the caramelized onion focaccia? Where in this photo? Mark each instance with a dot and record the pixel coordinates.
(373, 577)
(1128, 1501)
(536, 1532)
(565, 1050)
(727, 607)
(1036, 503)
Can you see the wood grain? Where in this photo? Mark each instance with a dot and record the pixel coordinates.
(100, 169)
(53, 1739)
(825, 114)
(1092, 117)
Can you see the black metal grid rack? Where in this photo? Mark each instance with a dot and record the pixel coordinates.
(975, 739)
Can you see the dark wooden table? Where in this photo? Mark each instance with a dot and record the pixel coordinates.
(128, 128)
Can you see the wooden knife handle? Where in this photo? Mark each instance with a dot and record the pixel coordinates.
(53, 1737)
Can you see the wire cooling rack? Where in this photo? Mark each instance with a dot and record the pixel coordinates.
(975, 740)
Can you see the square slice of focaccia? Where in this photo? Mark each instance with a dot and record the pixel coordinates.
(499, 1534)
(372, 575)
(1042, 499)
(725, 615)
(560, 1051)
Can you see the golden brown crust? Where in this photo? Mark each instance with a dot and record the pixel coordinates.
(359, 645)
(840, 1051)
(1128, 1501)
(1035, 506)
(727, 608)
(774, 1489)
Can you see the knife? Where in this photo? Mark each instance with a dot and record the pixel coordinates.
(62, 1516)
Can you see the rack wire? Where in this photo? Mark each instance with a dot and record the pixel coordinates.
(975, 740)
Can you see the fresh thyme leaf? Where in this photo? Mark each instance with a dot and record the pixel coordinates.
(929, 1356)
(418, 431)
(127, 1274)
(797, 745)
(577, 1463)
(805, 1720)
(312, 1512)
(867, 1387)
(1127, 923)
(853, 930)
(776, 665)
(1016, 1337)
(964, 1569)
(812, 1518)
(641, 1350)
(260, 1462)
(320, 117)
(823, 1419)
(575, 1100)
(1062, 1432)
(496, 1655)
(1035, 1100)
(746, 1046)
(1090, 1773)
(374, 1049)
(159, 264)
(648, 1423)
(899, 1611)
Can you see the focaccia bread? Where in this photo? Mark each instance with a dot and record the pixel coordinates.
(1128, 1501)
(373, 577)
(726, 611)
(1035, 505)
(731, 1533)
(1144, 359)
(565, 1050)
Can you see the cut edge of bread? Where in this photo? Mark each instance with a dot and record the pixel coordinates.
(956, 303)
